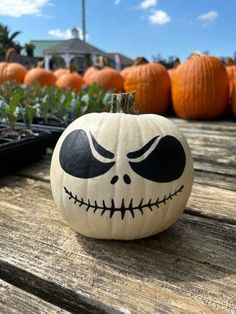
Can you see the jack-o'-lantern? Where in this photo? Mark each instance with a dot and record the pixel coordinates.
(120, 175)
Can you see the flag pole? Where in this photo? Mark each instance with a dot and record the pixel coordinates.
(83, 19)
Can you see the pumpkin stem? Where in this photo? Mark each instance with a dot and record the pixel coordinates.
(123, 103)
(72, 68)
(40, 64)
(196, 54)
(230, 61)
(9, 54)
(176, 63)
(101, 63)
(140, 61)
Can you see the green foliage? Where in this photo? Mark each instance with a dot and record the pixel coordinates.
(7, 40)
(28, 113)
(10, 111)
(29, 48)
(20, 102)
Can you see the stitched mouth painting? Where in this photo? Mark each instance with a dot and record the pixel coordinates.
(120, 175)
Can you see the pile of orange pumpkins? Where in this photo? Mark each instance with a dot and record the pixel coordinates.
(202, 87)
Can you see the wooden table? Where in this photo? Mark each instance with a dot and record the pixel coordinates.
(45, 267)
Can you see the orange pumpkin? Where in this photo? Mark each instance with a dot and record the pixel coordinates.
(124, 72)
(107, 78)
(233, 97)
(170, 72)
(138, 61)
(200, 88)
(89, 71)
(61, 71)
(231, 69)
(42, 76)
(71, 81)
(151, 83)
(94, 68)
(11, 71)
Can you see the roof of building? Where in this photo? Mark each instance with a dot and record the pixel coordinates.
(74, 45)
(41, 45)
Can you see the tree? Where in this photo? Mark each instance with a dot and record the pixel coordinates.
(7, 40)
(29, 48)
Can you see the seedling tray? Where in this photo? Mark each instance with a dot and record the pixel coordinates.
(55, 131)
(17, 153)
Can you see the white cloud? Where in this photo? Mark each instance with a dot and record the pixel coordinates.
(208, 17)
(159, 17)
(146, 4)
(56, 32)
(22, 7)
(65, 34)
(117, 2)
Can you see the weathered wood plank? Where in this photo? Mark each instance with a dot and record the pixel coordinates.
(213, 202)
(215, 179)
(15, 300)
(34, 199)
(212, 144)
(219, 125)
(188, 268)
(205, 200)
(37, 170)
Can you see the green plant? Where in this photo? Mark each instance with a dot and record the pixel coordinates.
(56, 104)
(27, 113)
(91, 99)
(7, 40)
(9, 112)
(29, 48)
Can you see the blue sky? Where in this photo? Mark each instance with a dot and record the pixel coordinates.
(131, 27)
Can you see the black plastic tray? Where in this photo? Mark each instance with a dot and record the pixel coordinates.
(55, 131)
(17, 153)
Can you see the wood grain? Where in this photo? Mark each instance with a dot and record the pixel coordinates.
(213, 202)
(188, 268)
(215, 179)
(226, 126)
(15, 300)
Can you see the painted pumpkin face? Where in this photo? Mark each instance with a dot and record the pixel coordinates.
(121, 176)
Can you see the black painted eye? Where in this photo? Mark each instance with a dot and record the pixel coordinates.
(165, 163)
(76, 156)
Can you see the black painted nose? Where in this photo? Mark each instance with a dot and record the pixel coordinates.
(126, 179)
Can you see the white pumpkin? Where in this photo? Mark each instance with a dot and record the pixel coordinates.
(121, 176)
